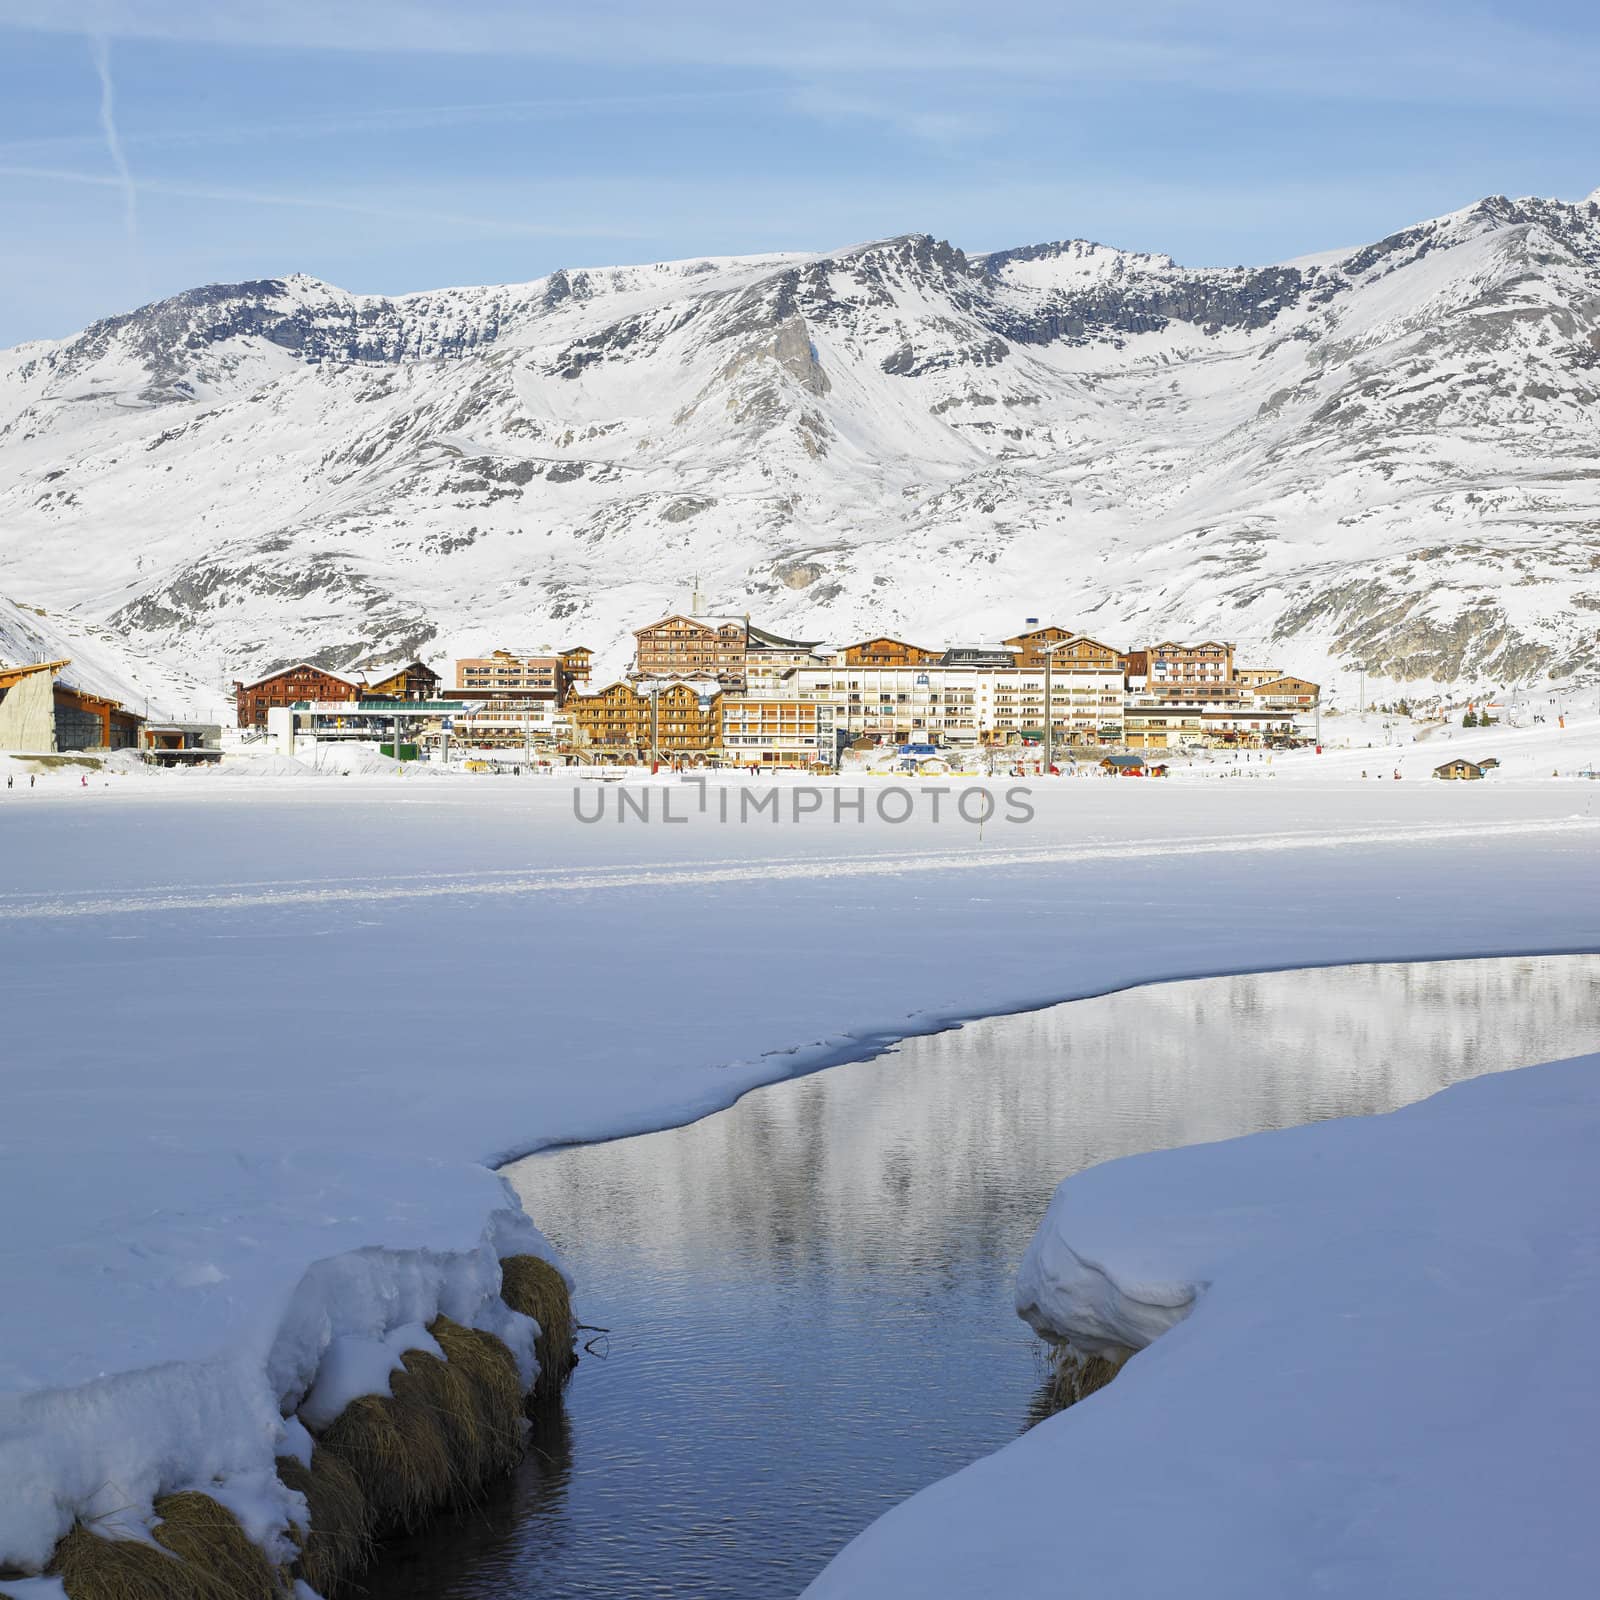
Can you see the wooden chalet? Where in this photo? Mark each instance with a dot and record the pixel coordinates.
(416, 681)
(289, 686)
(1460, 768)
(1286, 693)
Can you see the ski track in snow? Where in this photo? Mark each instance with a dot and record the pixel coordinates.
(553, 880)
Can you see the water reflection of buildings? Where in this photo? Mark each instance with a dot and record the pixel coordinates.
(811, 1292)
(942, 1153)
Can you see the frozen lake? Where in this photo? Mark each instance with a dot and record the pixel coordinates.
(810, 1293)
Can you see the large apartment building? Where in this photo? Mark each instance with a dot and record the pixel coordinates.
(731, 649)
(923, 704)
(678, 645)
(514, 697)
(646, 721)
(536, 672)
(1175, 671)
(1086, 707)
(777, 731)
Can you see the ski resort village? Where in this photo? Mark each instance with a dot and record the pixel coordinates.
(706, 691)
(908, 1159)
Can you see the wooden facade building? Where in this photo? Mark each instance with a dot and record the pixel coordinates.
(1284, 693)
(642, 722)
(288, 687)
(1185, 671)
(576, 662)
(677, 645)
(1030, 646)
(417, 681)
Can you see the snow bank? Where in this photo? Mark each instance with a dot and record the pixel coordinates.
(1365, 1368)
(240, 1360)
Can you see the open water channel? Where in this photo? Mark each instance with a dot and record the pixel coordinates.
(809, 1294)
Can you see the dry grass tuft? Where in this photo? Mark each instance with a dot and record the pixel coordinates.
(211, 1559)
(448, 1428)
(384, 1465)
(340, 1540)
(532, 1286)
(397, 1451)
(208, 1538)
(92, 1568)
(1076, 1376)
(487, 1371)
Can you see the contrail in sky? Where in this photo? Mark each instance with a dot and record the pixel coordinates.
(100, 48)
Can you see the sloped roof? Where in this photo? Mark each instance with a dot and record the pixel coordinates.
(1284, 677)
(1099, 644)
(887, 638)
(375, 671)
(301, 666)
(9, 676)
(763, 639)
(1033, 633)
(711, 624)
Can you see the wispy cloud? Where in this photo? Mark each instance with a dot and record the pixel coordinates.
(510, 227)
(395, 119)
(911, 116)
(100, 49)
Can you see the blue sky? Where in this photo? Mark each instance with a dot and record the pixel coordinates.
(150, 145)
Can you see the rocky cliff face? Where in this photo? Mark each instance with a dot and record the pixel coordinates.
(1384, 457)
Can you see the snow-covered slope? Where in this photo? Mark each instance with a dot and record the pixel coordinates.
(1382, 457)
(103, 659)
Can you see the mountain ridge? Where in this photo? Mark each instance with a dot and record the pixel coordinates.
(1379, 457)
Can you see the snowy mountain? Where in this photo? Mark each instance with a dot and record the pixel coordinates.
(1383, 457)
